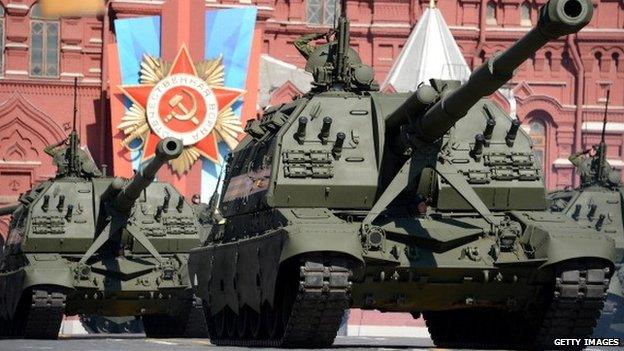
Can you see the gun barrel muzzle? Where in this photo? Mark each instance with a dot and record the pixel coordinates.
(167, 149)
(556, 18)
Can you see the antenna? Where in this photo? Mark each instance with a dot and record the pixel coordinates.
(603, 147)
(338, 12)
(343, 43)
(213, 204)
(72, 152)
(75, 103)
(604, 121)
(214, 199)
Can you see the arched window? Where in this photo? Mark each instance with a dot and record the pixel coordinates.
(1, 40)
(598, 56)
(548, 56)
(525, 14)
(321, 12)
(491, 13)
(537, 132)
(44, 44)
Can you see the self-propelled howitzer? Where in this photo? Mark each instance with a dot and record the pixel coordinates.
(427, 202)
(88, 244)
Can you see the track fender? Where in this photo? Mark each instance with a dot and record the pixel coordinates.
(340, 239)
(54, 275)
(237, 274)
(245, 273)
(558, 245)
(13, 285)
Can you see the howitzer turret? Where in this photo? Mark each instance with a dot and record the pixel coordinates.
(166, 150)
(556, 18)
(453, 225)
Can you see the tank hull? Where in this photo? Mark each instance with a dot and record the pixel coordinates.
(126, 286)
(92, 259)
(417, 267)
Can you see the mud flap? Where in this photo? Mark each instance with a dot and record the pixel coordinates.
(555, 238)
(225, 274)
(341, 240)
(222, 275)
(60, 276)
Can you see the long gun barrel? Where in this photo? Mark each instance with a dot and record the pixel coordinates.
(9, 209)
(167, 149)
(556, 18)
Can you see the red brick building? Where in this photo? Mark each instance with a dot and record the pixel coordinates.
(40, 58)
(559, 93)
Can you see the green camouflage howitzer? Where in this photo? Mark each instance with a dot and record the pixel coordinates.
(598, 203)
(430, 202)
(85, 243)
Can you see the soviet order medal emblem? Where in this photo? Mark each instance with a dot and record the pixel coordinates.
(182, 100)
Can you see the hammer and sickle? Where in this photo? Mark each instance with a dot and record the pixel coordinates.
(176, 102)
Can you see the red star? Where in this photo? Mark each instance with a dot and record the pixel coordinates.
(183, 63)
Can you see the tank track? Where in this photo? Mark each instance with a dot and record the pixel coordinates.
(577, 303)
(186, 325)
(38, 316)
(572, 311)
(190, 324)
(321, 297)
(196, 326)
